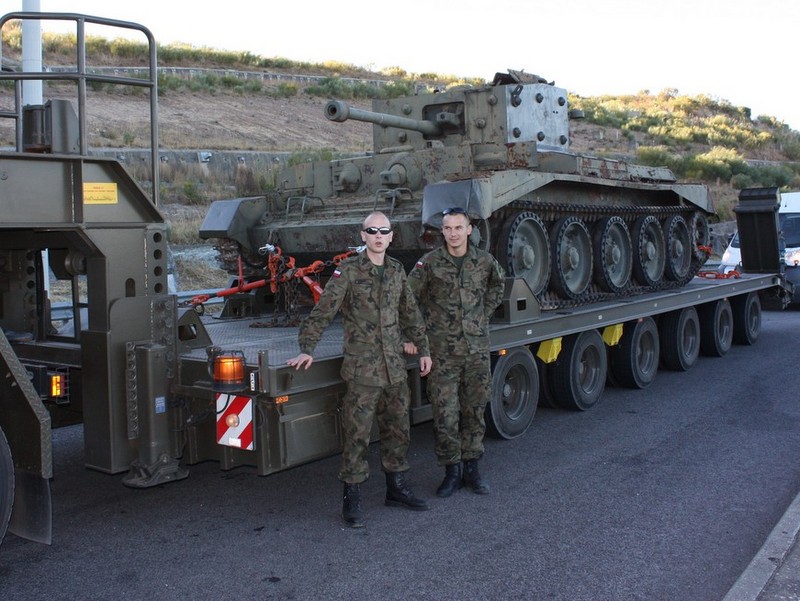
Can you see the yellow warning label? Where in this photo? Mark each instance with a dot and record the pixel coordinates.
(100, 193)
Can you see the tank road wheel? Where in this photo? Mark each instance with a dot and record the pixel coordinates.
(633, 362)
(480, 237)
(649, 257)
(572, 257)
(579, 374)
(716, 328)
(701, 235)
(746, 318)
(680, 339)
(523, 249)
(679, 248)
(613, 254)
(6, 484)
(515, 394)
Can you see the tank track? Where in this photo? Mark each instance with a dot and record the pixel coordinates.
(550, 212)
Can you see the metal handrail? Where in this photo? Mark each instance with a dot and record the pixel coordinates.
(81, 76)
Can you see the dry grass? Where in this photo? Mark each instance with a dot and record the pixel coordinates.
(199, 275)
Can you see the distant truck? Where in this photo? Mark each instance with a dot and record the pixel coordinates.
(160, 386)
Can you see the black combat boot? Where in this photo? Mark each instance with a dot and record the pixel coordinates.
(451, 482)
(398, 494)
(472, 478)
(352, 513)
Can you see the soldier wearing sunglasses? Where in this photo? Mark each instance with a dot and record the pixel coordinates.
(379, 312)
(458, 287)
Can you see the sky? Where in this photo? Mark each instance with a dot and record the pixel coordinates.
(743, 52)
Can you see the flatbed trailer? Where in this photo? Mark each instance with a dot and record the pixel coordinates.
(563, 357)
(159, 387)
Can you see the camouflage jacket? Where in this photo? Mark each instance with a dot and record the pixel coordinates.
(379, 314)
(457, 304)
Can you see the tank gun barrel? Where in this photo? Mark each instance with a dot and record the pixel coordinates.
(339, 111)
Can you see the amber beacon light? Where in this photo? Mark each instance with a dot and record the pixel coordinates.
(228, 371)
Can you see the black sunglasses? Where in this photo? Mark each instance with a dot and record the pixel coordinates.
(454, 211)
(385, 231)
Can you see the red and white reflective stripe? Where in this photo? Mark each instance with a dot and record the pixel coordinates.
(241, 435)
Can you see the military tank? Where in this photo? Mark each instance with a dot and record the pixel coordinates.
(575, 228)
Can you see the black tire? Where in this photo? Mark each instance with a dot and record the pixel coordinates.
(716, 328)
(746, 318)
(579, 373)
(680, 339)
(634, 361)
(6, 484)
(515, 394)
(546, 398)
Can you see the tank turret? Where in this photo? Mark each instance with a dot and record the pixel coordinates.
(575, 227)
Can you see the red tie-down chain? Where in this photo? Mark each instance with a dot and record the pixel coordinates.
(277, 277)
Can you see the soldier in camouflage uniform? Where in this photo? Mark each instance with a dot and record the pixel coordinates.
(380, 312)
(458, 287)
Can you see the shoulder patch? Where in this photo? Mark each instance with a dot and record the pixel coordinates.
(336, 273)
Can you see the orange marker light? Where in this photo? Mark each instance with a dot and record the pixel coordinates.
(229, 371)
(57, 385)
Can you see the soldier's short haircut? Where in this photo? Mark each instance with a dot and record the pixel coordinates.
(375, 214)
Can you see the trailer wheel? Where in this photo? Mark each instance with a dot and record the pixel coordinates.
(716, 328)
(579, 374)
(633, 362)
(6, 484)
(515, 394)
(746, 318)
(680, 339)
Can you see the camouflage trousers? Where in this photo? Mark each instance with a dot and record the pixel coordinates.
(363, 404)
(459, 388)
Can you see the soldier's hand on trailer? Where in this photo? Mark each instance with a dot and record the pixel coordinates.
(302, 360)
(425, 364)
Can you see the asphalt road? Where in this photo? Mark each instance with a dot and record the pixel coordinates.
(665, 493)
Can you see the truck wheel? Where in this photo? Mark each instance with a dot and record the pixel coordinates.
(716, 328)
(746, 318)
(6, 484)
(633, 362)
(579, 373)
(515, 394)
(680, 339)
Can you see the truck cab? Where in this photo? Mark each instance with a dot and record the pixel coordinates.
(789, 220)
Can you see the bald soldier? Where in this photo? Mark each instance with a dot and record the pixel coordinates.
(380, 312)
